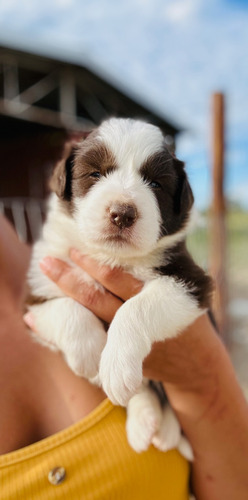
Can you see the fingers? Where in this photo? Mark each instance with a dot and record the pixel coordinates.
(117, 281)
(102, 303)
(119, 285)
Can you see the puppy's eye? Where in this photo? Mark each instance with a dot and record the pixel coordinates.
(95, 175)
(154, 185)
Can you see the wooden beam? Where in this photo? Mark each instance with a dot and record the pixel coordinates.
(218, 214)
(10, 80)
(38, 90)
(67, 94)
(43, 116)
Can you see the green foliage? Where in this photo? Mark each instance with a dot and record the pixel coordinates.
(236, 236)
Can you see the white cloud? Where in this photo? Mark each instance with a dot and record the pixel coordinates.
(180, 10)
(174, 53)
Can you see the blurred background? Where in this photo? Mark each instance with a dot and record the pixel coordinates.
(66, 65)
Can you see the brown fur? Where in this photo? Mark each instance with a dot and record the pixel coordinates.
(175, 205)
(76, 173)
(183, 268)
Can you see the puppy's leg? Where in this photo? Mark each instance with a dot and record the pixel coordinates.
(169, 435)
(149, 423)
(74, 330)
(161, 310)
(144, 416)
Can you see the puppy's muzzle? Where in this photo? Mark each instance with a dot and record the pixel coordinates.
(123, 215)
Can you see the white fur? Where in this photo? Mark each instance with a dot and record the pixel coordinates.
(131, 141)
(144, 418)
(161, 310)
(94, 225)
(74, 330)
(169, 435)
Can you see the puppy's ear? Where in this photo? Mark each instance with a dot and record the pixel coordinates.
(61, 178)
(184, 198)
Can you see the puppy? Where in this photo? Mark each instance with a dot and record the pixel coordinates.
(122, 198)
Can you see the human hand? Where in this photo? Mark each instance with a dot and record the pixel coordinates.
(119, 378)
(172, 361)
(119, 285)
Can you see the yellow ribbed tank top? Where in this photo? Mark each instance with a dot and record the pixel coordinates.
(91, 460)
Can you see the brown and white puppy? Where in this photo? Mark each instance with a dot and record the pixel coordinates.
(122, 198)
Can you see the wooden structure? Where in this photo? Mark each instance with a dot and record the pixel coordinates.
(218, 213)
(65, 94)
(43, 101)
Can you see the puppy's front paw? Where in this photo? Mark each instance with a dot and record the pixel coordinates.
(120, 374)
(84, 361)
(74, 330)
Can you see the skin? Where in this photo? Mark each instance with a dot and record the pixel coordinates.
(202, 387)
(39, 394)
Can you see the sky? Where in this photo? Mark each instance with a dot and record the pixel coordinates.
(171, 54)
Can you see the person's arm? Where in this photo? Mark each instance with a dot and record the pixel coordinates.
(198, 377)
(202, 388)
(14, 261)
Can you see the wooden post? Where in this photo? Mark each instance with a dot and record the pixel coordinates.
(218, 213)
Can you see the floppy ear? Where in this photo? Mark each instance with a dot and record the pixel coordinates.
(61, 178)
(184, 198)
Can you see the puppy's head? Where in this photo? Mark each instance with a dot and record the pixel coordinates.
(124, 189)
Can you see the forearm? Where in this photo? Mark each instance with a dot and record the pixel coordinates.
(14, 260)
(212, 411)
(199, 381)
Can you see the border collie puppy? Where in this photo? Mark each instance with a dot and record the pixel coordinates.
(122, 198)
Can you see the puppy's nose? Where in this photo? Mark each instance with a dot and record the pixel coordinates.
(123, 215)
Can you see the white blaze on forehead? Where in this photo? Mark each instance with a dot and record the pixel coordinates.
(131, 141)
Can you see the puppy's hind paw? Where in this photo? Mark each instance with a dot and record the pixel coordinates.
(185, 449)
(169, 433)
(141, 430)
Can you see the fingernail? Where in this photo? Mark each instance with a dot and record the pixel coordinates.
(46, 264)
(29, 320)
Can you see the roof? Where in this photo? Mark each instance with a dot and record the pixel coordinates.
(66, 91)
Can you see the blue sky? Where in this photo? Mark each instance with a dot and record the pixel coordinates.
(171, 53)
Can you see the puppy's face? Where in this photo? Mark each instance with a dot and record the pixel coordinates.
(124, 189)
